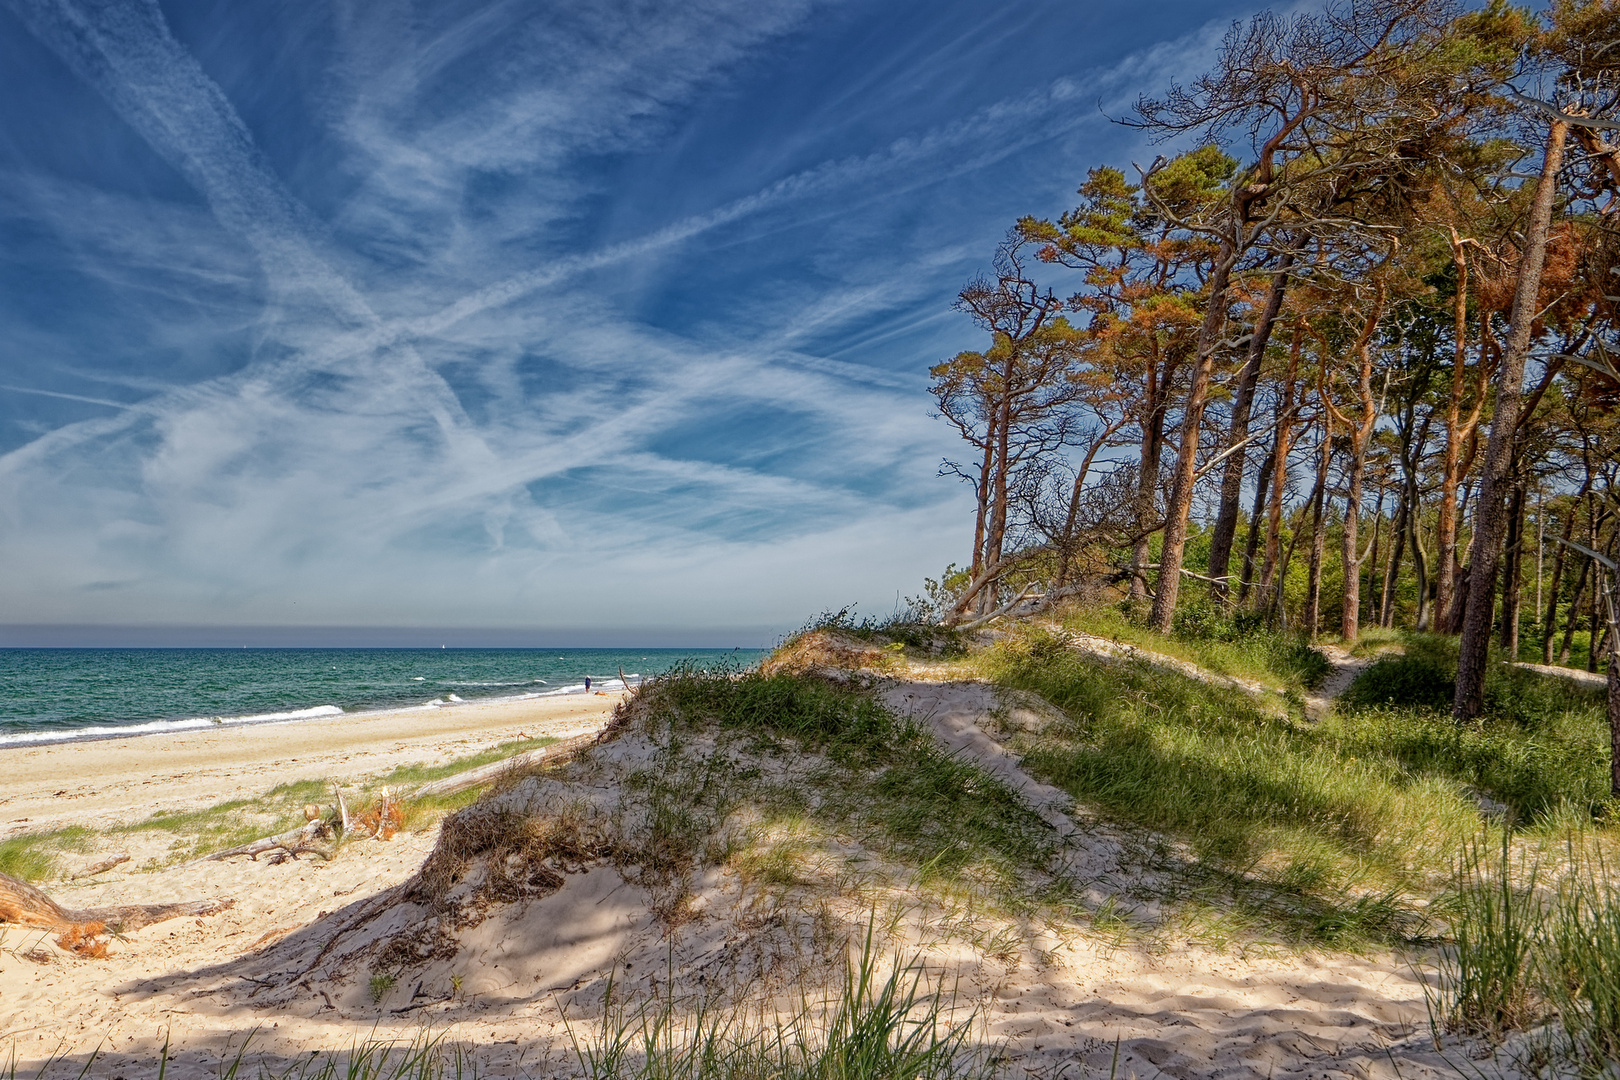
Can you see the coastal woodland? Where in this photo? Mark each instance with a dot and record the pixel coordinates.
(1342, 356)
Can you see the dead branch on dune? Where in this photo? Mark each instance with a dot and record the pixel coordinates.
(104, 865)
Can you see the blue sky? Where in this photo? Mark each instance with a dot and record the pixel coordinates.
(594, 322)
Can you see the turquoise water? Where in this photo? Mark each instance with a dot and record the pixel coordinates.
(51, 695)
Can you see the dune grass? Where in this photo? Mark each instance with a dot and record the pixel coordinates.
(794, 783)
(1323, 839)
(1536, 936)
(876, 1027)
(1541, 746)
(194, 833)
(235, 821)
(883, 1021)
(33, 856)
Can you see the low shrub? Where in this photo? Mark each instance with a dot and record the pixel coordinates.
(1413, 681)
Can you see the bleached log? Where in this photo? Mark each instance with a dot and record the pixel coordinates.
(25, 905)
(546, 755)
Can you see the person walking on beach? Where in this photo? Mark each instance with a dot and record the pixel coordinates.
(587, 684)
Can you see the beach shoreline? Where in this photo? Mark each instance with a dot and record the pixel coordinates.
(103, 782)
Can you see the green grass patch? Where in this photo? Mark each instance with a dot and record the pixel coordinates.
(886, 778)
(235, 821)
(238, 821)
(1372, 640)
(408, 776)
(1535, 937)
(32, 856)
(1541, 745)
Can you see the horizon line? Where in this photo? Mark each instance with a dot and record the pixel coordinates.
(360, 636)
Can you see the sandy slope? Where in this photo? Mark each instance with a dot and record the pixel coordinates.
(291, 961)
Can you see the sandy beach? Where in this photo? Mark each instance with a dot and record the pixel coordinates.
(105, 782)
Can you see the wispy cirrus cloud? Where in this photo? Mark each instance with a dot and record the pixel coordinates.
(465, 392)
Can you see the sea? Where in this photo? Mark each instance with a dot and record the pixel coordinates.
(60, 695)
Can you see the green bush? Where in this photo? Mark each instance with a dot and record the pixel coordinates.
(1411, 681)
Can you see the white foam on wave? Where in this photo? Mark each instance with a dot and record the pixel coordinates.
(159, 727)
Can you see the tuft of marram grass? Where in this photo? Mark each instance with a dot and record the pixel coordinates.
(1535, 937)
(1488, 980)
(877, 1027)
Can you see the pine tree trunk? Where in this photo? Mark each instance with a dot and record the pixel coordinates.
(1489, 511)
(1226, 519)
(1549, 621)
(1614, 723)
(1420, 569)
(1594, 623)
(1179, 508)
(1446, 515)
(1397, 550)
(1350, 620)
(1513, 560)
(1313, 581)
(1147, 499)
(1574, 616)
(981, 523)
(1251, 543)
(1268, 595)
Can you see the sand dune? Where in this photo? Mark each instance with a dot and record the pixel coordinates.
(293, 964)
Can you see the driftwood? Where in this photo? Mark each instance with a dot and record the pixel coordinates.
(546, 755)
(343, 808)
(103, 866)
(294, 842)
(382, 822)
(24, 905)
